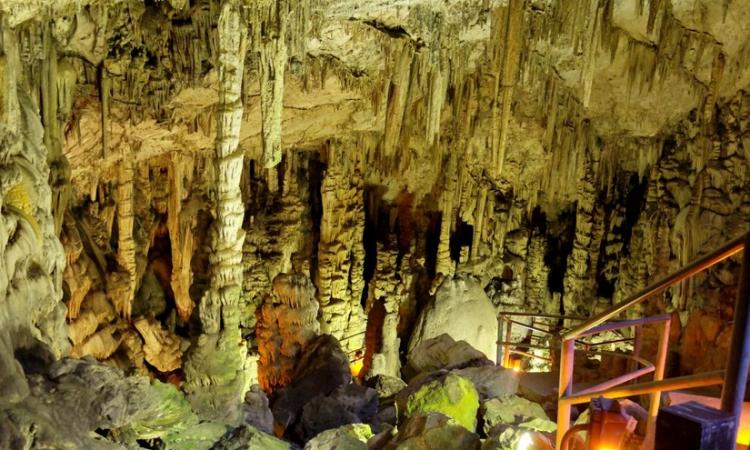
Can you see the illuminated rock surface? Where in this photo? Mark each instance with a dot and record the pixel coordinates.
(453, 396)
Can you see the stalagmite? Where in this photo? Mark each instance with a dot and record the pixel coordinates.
(214, 371)
(287, 320)
(161, 348)
(577, 291)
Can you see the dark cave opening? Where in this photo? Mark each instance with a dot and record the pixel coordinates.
(560, 237)
(432, 241)
(462, 236)
(371, 197)
(199, 263)
(632, 198)
(635, 201)
(374, 332)
(317, 173)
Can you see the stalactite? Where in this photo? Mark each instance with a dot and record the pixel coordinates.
(126, 245)
(445, 265)
(506, 82)
(104, 89)
(180, 225)
(397, 94)
(279, 30)
(53, 116)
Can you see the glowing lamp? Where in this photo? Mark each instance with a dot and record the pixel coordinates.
(609, 430)
(743, 436)
(533, 441)
(525, 442)
(356, 367)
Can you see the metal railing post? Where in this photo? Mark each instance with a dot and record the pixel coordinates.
(508, 336)
(500, 352)
(564, 389)
(661, 362)
(637, 343)
(733, 393)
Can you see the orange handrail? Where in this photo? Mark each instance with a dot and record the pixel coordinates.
(613, 388)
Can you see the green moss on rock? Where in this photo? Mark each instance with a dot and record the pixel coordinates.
(453, 396)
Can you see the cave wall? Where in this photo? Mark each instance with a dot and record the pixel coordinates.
(563, 153)
(31, 256)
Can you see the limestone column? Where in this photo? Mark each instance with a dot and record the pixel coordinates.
(216, 379)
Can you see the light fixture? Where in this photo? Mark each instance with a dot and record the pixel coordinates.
(533, 441)
(610, 428)
(356, 367)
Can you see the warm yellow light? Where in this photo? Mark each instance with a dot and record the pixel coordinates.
(743, 436)
(356, 367)
(526, 440)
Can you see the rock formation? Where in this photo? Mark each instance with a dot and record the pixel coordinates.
(199, 191)
(287, 321)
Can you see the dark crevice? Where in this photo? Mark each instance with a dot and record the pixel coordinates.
(560, 237)
(394, 32)
(461, 237)
(631, 197)
(317, 170)
(432, 241)
(371, 198)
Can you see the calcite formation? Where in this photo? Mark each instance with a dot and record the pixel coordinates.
(287, 321)
(192, 190)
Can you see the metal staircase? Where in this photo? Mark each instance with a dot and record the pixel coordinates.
(733, 378)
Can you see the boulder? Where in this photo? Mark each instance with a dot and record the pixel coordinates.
(510, 418)
(248, 437)
(491, 381)
(255, 410)
(442, 352)
(322, 368)
(452, 395)
(73, 397)
(539, 387)
(386, 386)
(348, 437)
(427, 432)
(462, 310)
(346, 405)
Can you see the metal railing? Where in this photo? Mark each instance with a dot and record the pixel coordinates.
(737, 364)
(507, 347)
(739, 356)
(359, 353)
